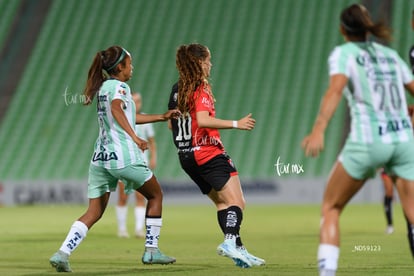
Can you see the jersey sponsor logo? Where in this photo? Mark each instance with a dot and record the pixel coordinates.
(122, 92)
(189, 149)
(379, 75)
(103, 156)
(102, 98)
(208, 141)
(206, 102)
(101, 106)
(367, 60)
(394, 126)
(183, 144)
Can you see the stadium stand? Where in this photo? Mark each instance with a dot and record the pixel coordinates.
(8, 10)
(269, 58)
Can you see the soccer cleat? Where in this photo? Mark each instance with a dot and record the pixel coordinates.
(389, 230)
(255, 261)
(123, 234)
(155, 256)
(60, 261)
(228, 249)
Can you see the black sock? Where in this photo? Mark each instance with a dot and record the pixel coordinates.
(222, 217)
(410, 235)
(388, 209)
(234, 217)
(238, 241)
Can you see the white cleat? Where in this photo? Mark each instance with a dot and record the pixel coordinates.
(389, 230)
(256, 261)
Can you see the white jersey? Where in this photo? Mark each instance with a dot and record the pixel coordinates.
(375, 94)
(145, 131)
(114, 148)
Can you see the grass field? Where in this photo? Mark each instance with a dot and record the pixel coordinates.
(286, 236)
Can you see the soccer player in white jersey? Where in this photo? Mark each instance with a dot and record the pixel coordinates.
(145, 132)
(381, 131)
(117, 155)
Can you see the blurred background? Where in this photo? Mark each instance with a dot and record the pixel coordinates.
(269, 58)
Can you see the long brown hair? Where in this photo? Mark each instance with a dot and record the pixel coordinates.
(357, 23)
(189, 64)
(105, 64)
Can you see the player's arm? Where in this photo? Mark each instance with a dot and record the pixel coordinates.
(119, 115)
(314, 142)
(410, 87)
(206, 121)
(152, 118)
(152, 147)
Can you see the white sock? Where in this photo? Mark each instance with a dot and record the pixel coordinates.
(121, 217)
(230, 237)
(75, 236)
(153, 232)
(328, 257)
(139, 218)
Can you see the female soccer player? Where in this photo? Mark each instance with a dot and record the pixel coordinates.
(201, 152)
(117, 155)
(381, 131)
(146, 132)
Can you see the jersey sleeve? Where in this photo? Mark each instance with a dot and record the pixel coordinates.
(337, 63)
(203, 100)
(173, 102)
(121, 91)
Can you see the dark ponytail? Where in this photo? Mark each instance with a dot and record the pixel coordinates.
(357, 23)
(105, 64)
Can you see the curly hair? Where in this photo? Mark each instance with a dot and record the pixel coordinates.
(189, 65)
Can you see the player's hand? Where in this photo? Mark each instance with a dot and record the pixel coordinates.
(313, 143)
(142, 144)
(246, 123)
(171, 114)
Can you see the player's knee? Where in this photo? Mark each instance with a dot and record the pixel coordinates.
(329, 209)
(122, 201)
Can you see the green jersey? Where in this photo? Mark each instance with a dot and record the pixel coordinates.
(375, 94)
(114, 148)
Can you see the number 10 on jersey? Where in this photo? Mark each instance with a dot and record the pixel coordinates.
(184, 129)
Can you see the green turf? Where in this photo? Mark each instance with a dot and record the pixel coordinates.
(286, 236)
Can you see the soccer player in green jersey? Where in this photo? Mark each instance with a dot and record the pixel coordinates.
(118, 155)
(381, 131)
(146, 132)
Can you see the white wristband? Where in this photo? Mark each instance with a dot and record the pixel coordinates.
(235, 124)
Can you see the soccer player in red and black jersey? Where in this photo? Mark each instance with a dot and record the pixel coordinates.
(201, 152)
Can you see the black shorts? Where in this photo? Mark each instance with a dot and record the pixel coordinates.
(214, 174)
